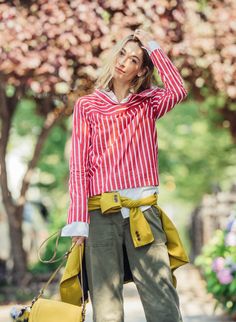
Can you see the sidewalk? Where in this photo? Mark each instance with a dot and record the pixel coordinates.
(196, 304)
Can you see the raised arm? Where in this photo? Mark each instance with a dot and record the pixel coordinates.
(163, 99)
(77, 221)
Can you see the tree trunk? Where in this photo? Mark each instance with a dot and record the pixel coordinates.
(14, 208)
(18, 254)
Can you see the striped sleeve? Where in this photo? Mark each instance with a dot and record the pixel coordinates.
(78, 179)
(164, 99)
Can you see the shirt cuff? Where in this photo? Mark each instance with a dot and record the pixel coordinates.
(152, 45)
(78, 228)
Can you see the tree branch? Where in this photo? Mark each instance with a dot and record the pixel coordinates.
(6, 114)
(51, 119)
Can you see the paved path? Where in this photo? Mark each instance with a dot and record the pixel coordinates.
(196, 304)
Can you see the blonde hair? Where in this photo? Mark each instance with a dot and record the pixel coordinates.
(104, 80)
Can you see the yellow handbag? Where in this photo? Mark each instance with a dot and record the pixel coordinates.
(54, 311)
(44, 310)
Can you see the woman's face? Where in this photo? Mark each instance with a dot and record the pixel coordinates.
(128, 62)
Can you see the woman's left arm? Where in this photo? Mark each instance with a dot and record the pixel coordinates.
(163, 99)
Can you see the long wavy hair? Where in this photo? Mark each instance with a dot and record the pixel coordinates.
(138, 84)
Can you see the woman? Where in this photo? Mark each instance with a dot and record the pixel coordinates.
(114, 181)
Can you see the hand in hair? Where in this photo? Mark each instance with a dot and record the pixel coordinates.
(143, 36)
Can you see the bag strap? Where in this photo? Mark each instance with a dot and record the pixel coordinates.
(53, 260)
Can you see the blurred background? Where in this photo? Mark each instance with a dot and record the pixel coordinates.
(50, 52)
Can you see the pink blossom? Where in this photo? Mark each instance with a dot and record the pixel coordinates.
(224, 276)
(218, 264)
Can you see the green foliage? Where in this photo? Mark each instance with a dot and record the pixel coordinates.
(218, 263)
(194, 155)
(26, 121)
(52, 164)
(10, 90)
(53, 169)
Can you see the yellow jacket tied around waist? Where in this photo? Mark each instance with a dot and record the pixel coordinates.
(110, 202)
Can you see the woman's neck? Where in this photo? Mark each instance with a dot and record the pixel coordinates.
(121, 90)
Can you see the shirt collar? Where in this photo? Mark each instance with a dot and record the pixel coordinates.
(112, 95)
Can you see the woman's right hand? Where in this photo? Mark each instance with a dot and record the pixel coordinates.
(78, 240)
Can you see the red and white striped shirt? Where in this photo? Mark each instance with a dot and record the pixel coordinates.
(114, 145)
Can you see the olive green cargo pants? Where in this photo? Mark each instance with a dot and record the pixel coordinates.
(149, 265)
